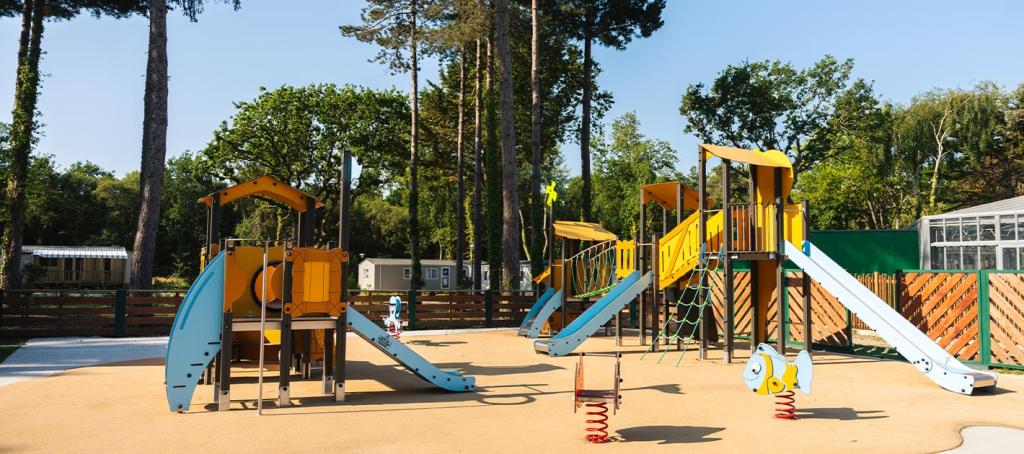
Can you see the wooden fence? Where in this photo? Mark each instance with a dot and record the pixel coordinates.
(977, 316)
(26, 314)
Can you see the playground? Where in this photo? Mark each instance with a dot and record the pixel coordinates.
(657, 341)
(521, 404)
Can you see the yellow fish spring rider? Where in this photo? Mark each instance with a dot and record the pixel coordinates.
(768, 372)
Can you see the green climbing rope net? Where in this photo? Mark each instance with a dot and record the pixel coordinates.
(680, 326)
(592, 271)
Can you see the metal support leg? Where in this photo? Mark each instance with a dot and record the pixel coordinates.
(340, 333)
(285, 366)
(327, 377)
(304, 364)
(224, 365)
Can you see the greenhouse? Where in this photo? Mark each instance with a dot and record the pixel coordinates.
(989, 236)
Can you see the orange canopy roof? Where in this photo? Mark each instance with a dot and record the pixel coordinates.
(585, 231)
(267, 187)
(665, 195)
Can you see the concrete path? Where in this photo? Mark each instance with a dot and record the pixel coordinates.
(988, 439)
(48, 356)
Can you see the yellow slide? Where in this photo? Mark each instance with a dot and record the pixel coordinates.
(679, 251)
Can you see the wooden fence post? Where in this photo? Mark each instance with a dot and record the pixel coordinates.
(488, 308)
(984, 330)
(412, 309)
(120, 311)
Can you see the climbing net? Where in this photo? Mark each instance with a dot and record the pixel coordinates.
(592, 271)
(693, 300)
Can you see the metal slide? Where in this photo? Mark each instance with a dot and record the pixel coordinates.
(528, 320)
(544, 314)
(375, 335)
(931, 359)
(195, 335)
(595, 317)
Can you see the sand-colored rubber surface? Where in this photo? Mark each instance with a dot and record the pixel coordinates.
(523, 404)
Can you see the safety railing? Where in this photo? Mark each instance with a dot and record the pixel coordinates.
(591, 272)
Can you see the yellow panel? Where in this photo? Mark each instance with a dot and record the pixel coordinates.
(625, 251)
(585, 231)
(315, 282)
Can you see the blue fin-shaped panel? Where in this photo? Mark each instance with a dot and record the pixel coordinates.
(544, 314)
(195, 335)
(376, 336)
(528, 320)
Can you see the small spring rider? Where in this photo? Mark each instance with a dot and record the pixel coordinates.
(597, 401)
(768, 372)
(393, 322)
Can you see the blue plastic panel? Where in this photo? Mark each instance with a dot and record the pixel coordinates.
(528, 320)
(195, 335)
(544, 315)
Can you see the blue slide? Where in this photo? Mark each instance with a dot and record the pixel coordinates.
(595, 317)
(530, 316)
(544, 314)
(195, 335)
(929, 358)
(375, 335)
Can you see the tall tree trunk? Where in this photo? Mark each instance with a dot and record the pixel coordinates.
(460, 190)
(588, 69)
(477, 170)
(26, 93)
(492, 161)
(536, 206)
(414, 195)
(509, 163)
(154, 148)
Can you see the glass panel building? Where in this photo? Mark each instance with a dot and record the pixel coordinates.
(988, 237)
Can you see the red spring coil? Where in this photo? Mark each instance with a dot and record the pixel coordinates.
(784, 408)
(599, 413)
(394, 331)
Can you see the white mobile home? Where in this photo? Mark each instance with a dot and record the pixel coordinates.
(396, 274)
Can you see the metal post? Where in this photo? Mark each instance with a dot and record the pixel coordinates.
(120, 311)
(805, 283)
(702, 232)
(340, 339)
(727, 278)
(412, 308)
(655, 322)
(284, 369)
(642, 266)
(344, 218)
(780, 262)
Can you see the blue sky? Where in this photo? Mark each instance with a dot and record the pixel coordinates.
(92, 96)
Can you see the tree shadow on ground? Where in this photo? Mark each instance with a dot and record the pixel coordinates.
(470, 369)
(430, 343)
(666, 435)
(838, 413)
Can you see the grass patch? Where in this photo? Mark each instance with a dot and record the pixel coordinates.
(8, 346)
(1003, 370)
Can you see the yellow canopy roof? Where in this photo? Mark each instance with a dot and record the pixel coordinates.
(770, 158)
(265, 186)
(665, 195)
(585, 231)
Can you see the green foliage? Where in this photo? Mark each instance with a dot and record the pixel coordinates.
(772, 105)
(625, 161)
(297, 134)
(613, 23)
